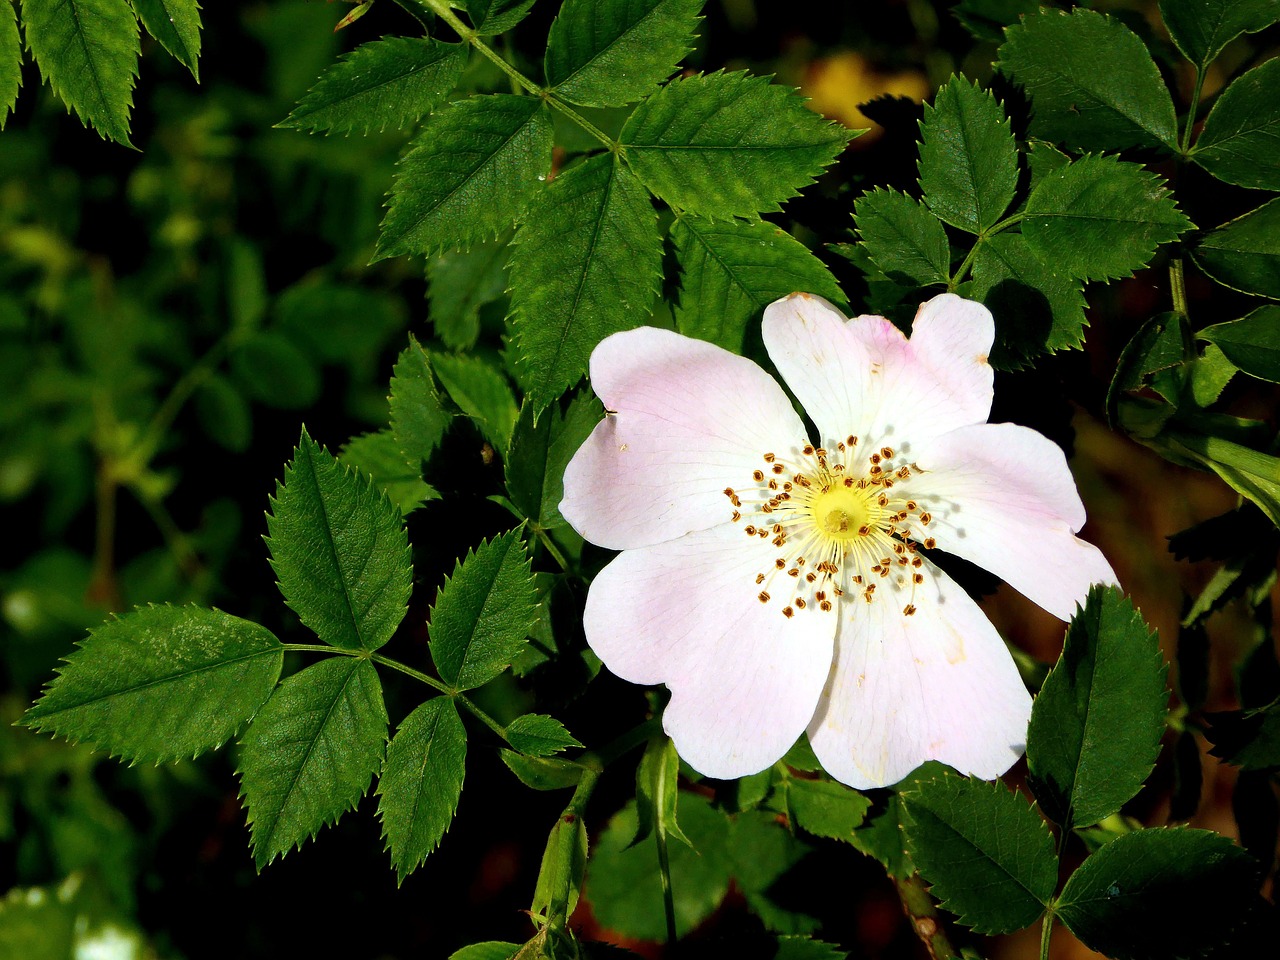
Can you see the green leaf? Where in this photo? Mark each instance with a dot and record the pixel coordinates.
(731, 270)
(1249, 739)
(1245, 253)
(490, 949)
(378, 455)
(1238, 141)
(984, 849)
(1096, 724)
(271, 369)
(805, 948)
(1209, 374)
(658, 792)
(467, 175)
(421, 782)
(88, 52)
(903, 238)
(10, 62)
(1251, 473)
(761, 853)
(880, 837)
(1159, 344)
(1251, 343)
(1037, 308)
(1201, 28)
(310, 753)
(392, 82)
(460, 282)
(490, 17)
(418, 418)
(161, 683)
(563, 863)
(483, 613)
(481, 392)
(587, 263)
(603, 53)
(1091, 81)
(699, 144)
(968, 157)
(542, 773)
(224, 414)
(339, 550)
(1100, 218)
(539, 453)
(826, 808)
(537, 735)
(623, 884)
(1155, 894)
(176, 24)
(986, 19)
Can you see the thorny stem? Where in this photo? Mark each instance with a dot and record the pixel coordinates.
(1177, 287)
(1185, 145)
(441, 10)
(923, 914)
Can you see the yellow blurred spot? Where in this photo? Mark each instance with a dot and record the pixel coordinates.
(835, 85)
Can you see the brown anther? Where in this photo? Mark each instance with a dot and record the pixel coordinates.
(898, 548)
(800, 603)
(848, 481)
(780, 563)
(864, 530)
(909, 609)
(759, 578)
(851, 440)
(793, 572)
(883, 500)
(788, 612)
(820, 595)
(888, 483)
(840, 446)
(764, 597)
(762, 533)
(903, 473)
(918, 578)
(800, 562)
(886, 452)
(736, 516)
(875, 458)
(821, 452)
(838, 592)
(769, 458)
(875, 471)
(926, 517)
(778, 468)
(808, 450)
(757, 475)
(728, 491)
(786, 485)
(735, 501)
(751, 530)
(779, 540)
(911, 505)
(773, 484)
(857, 579)
(875, 569)
(811, 577)
(930, 543)
(838, 468)
(917, 563)
(825, 605)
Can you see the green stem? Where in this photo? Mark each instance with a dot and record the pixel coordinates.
(1177, 287)
(179, 394)
(925, 920)
(441, 9)
(1185, 145)
(664, 871)
(958, 277)
(545, 539)
(1046, 931)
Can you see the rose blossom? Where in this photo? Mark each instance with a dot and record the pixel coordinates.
(778, 585)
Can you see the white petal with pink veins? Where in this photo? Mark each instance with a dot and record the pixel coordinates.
(864, 377)
(688, 420)
(744, 678)
(937, 685)
(1002, 496)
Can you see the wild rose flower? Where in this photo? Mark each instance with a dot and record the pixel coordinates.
(778, 585)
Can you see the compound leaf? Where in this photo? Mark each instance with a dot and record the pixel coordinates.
(587, 263)
(1245, 253)
(603, 53)
(1238, 141)
(161, 683)
(392, 82)
(483, 613)
(310, 752)
(731, 270)
(339, 550)
(468, 175)
(700, 144)
(903, 238)
(176, 24)
(1201, 28)
(421, 782)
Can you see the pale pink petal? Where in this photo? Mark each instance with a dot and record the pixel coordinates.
(744, 678)
(937, 685)
(1002, 496)
(688, 420)
(864, 377)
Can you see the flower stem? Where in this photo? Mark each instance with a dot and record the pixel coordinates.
(1046, 932)
(664, 871)
(1177, 287)
(923, 913)
(1185, 145)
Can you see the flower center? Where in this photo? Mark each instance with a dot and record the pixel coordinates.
(842, 524)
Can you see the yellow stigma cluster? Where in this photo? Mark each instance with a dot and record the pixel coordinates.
(842, 524)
